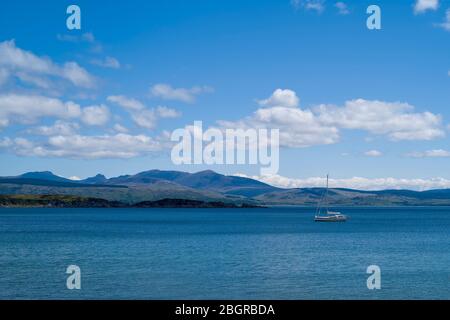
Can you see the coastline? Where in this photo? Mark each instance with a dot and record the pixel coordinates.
(63, 201)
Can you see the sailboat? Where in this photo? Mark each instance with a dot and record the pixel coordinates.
(328, 216)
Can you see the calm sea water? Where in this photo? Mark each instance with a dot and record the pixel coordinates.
(272, 253)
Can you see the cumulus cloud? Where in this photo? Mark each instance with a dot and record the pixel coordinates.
(145, 118)
(27, 109)
(281, 98)
(77, 75)
(373, 153)
(422, 6)
(58, 128)
(34, 80)
(22, 62)
(95, 115)
(322, 124)
(140, 114)
(108, 62)
(167, 92)
(342, 8)
(396, 120)
(314, 5)
(127, 103)
(298, 128)
(165, 112)
(87, 147)
(16, 58)
(358, 183)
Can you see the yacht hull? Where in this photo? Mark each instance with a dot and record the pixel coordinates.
(331, 219)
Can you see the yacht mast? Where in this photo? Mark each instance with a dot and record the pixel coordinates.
(326, 196)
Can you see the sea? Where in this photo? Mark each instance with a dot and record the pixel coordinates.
(255, 253)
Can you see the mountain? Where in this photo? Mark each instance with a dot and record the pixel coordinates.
(99, 178)
(148, 177)
(208, 186)
(228, 184)
(44, 178)
(203, 180)
(44, 175)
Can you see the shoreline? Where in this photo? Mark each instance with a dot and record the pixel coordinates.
(63, 201)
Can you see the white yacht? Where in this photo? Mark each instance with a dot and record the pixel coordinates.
(323, 214)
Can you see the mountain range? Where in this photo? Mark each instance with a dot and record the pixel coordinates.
(207, 185)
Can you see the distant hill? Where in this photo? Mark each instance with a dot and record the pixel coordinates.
(207, 186)
(349, 197)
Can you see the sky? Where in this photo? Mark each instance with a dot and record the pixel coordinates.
(369, 107)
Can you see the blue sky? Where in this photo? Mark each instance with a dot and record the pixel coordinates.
(381, 96)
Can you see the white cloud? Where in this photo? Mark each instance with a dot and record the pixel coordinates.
(437, 153)
(373, 153)
(281, 98)
(58, 128)
(315, 5)
(28, 109)
(396, 120)
(140, 114)
(108, 62)
(298, 128)
(95, 115)
(422, 6)
(322, 124)
(119, 128)
(13, 57)
(167, 92)
(75, 178)
(358, 183)
(342, 8)
(87, 147)
(77, 75)
(4, 75)
(17, 60)
(148, 118)
(165, 112)
(127, 103)
(145, 118)
(446, 23)
(37, 81)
